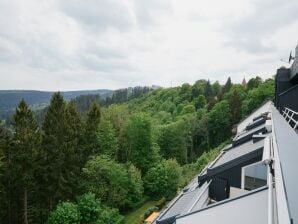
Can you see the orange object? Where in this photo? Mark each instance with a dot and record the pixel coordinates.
(152, 217)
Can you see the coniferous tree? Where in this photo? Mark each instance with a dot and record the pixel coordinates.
(208, 90)
(27, 139)
(227, 86)
(216, 88)
(235, 106)
(91, 144)
(53, 150)
(7, 190)
(62, 151)
(72, 147)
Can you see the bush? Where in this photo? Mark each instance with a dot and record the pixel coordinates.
(89, 207)
(88, 210)
(65, 213)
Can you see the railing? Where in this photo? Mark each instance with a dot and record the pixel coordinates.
(289, 99)
(291, 117)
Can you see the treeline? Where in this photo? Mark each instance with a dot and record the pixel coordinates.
(93, 168)
(123, 95)
(83, 102)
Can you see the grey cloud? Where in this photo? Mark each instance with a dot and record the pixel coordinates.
(45, 58)
(120, 43)
(250, 33)
(9, 52)
(249, 44)
(99, 15)
(96, 63)
(105, 52)
(149, 12)
(24, 40)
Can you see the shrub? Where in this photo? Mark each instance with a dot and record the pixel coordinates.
(65, 213)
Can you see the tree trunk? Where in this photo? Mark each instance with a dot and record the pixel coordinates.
(9, 191)
(25, 206)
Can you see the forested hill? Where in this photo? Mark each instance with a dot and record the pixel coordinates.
(133, 148)
(191, 119)
(38, 99)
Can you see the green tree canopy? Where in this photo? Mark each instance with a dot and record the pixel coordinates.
(87, 210)
(135, 185)
(200, 102)
(219, 120)
(65, 213)
(138, 136)
(107, 139)
(163, 179)
(254, 82)
(107, 179)
(172, 141)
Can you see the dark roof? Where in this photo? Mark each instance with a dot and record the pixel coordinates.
(254, 115)
(238, 151)
(247, 135)
(255, 123)
(181, 206)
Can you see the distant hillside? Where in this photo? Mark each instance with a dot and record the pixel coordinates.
(39, 99)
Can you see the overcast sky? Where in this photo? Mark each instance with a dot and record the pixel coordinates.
(92, 44)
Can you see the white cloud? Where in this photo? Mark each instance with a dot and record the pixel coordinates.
(76, 44)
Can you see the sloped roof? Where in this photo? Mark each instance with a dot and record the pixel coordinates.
(264, 108)
(183, 204)
(238, 151)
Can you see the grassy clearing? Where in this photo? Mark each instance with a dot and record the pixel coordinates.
(133, 217)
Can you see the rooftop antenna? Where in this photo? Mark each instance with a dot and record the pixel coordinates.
(291, 57)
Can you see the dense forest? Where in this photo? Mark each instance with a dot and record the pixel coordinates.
(88, 161)
(9, 99)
